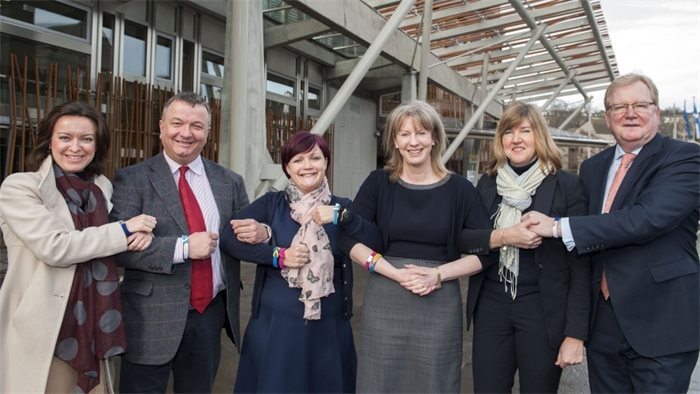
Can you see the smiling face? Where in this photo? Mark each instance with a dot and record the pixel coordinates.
(183, 131)
(73, 142)
(414, 143)
(519, 144)
(307, 169)
(633, 129)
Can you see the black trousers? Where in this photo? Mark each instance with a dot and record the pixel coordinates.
(195, 363)
(510, 335)
(614, 367)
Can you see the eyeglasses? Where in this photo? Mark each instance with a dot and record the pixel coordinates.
(639, 108)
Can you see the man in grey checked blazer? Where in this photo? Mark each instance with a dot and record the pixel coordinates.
(164, 333)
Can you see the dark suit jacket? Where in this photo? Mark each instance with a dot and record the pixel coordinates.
(647, 244)
(155, 291)
(563, 277)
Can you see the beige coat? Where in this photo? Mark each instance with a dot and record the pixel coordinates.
(43, 248)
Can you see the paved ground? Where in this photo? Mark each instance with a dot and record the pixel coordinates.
(574, 379)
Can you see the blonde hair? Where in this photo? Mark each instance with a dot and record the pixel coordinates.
(545, 148)
(424, 115)
(627, 80)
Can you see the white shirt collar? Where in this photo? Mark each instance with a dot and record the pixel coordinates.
(196, 165)
(619, 152)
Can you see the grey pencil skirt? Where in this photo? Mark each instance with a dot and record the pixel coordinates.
(409, 343)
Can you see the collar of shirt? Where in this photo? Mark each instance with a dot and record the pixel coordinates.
(196, 166)
(619, 152)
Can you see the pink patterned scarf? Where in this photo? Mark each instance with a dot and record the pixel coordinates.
(315, 278)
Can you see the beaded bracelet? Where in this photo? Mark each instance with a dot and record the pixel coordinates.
(336, 211)
(275, 257)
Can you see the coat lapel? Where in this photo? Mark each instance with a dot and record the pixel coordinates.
(545, 195)
(600, 170)
(637, 168)
(222, 188)
(164, 185)
(488, 192)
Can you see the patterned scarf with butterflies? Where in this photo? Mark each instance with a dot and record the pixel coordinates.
(315, 278)
(92, 328)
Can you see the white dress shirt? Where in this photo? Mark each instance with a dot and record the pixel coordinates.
(199, 183)
(566, 236)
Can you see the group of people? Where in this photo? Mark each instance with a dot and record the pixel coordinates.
(556, 262)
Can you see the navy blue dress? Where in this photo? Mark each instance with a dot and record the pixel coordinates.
(281, 351)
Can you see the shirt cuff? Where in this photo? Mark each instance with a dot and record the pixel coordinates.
(566, 236)
(178, 257)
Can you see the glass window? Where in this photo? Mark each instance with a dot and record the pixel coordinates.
(212, 64)
(280, 86)
(314, 98)
(43, 55)
(164, 56)
(107, 42)
(187, 66)
(389, 101)
(134, 49)
(210, 91)
(50, 15)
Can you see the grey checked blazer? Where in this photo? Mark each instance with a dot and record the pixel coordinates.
(156, 292)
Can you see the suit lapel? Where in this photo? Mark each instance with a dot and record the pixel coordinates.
(600, 173)
(637, 168)
(545, 195)
(162, 180)
(222, 188)
(488, 192)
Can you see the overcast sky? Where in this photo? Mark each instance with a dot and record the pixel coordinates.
(658, 38)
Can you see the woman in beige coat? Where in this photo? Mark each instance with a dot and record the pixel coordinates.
(60, 309)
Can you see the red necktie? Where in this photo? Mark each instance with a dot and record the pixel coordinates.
(625, 163)
(201, 290)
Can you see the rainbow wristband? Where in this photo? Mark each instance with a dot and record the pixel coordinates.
(275, 257)
(336, 211)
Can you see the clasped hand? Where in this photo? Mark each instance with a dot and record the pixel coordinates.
(538, 223)
(249, 231)
(418, 280)
(141, 227)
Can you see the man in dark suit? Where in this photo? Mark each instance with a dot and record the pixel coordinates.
(645, 325)
(168, 326)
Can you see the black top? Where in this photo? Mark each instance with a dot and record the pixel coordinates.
(418, 221)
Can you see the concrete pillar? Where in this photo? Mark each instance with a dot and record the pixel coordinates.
(243, 106)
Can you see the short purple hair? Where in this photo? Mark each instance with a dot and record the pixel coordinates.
(301, 142)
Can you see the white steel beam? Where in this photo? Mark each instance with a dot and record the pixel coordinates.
(536, 34)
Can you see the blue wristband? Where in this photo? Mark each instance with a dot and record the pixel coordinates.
(125, 229)
(336, 210)
(275, 257)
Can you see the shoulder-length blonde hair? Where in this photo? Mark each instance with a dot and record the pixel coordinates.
(423, 115)
(545, 148)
